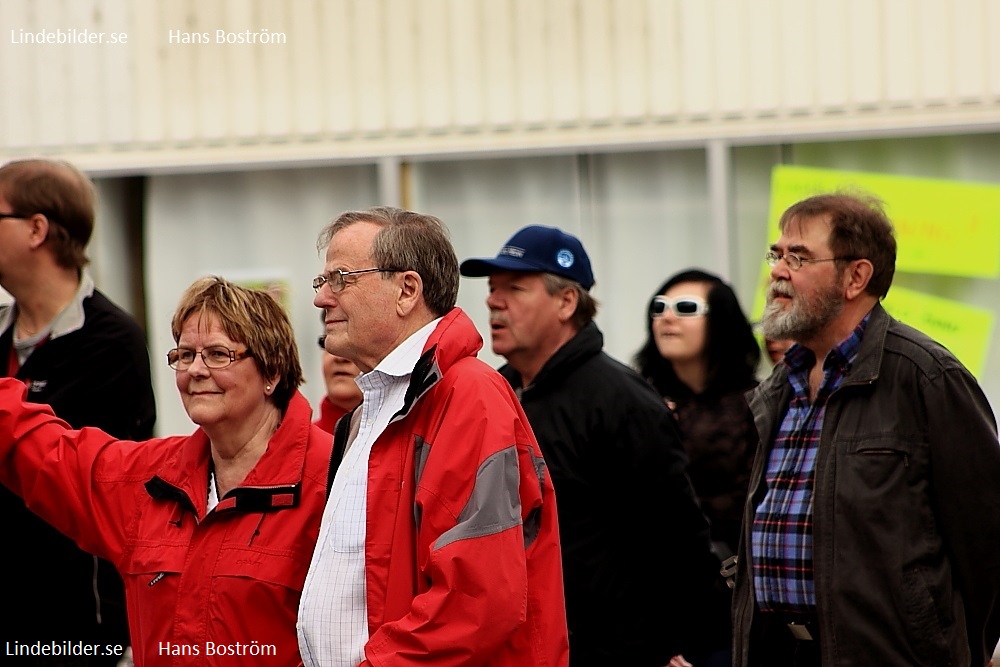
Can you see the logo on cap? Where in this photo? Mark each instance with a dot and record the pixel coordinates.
(511, 251)
(564, 258)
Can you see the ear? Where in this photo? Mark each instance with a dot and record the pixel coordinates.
(856, 278)
(568, 298)
(411, 292)
(39, 230)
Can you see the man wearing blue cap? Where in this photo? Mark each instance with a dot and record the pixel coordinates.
(637, 563)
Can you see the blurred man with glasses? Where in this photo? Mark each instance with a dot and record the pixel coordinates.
(871, 534)
(80, 353)
(636, 550)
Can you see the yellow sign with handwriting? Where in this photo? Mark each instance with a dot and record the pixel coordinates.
(965, 330)
(942, 227)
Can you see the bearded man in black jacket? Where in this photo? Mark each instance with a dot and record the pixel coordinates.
(637, 562)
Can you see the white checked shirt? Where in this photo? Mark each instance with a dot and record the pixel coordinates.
(333, 611)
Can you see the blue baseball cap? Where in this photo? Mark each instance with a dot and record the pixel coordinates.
(537, 249)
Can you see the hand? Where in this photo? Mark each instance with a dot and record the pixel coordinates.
(678, 661)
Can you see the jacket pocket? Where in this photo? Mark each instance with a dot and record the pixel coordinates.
(151, 575)
(880, 462)
(929, 624)
(266, 582)
(282, 569)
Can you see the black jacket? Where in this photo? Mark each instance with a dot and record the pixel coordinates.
(906, 509)
(97, 376)
(636, 557)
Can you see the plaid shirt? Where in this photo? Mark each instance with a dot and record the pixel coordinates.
(781, 538)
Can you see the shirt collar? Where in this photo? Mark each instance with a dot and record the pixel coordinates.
(799, 358)
(69, 318)
(400, 362)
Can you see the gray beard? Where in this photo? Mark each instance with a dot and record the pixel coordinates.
(802, 321)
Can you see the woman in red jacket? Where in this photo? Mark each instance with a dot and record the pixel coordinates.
(212, 532)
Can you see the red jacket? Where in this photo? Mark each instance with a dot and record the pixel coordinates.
(201, 587)
(329, 414)
(462, 546)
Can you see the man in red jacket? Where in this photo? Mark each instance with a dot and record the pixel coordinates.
(439, 543)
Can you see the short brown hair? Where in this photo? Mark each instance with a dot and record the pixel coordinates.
(255, 319)
(60, 192)
(408, 241)
(859, 229)
(586, 305)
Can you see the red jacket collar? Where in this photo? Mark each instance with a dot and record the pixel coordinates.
(272, 484)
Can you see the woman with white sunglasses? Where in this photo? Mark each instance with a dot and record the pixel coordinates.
(701, 355)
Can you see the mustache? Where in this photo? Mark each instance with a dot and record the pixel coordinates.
(498, 318)
(776, 289)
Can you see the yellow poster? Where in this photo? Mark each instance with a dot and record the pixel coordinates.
(965, 330)
(942, 227)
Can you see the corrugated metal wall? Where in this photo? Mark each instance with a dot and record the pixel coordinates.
(355, 79)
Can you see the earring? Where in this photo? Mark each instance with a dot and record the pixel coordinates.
(267, 388)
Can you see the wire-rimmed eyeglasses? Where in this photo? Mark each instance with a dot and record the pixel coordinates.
(337, 280)
(214, 356)
(795, 262)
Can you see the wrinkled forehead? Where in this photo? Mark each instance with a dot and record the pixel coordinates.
(351, 245)
(805, 232)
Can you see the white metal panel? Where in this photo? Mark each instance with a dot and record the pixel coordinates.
(402, 81)
(270, 25)
(992, 23)
(695, 67)
(800, 37)
(117, 79)
(832, 45)
(970, 50)
(466, 63)
(51, 75)
(435, 66)
(529, 55)
(763, 50)
(368, 57)
(730, 76)
(338, 54)
(243, 82)
(866, 66)
(363, 79)
(180, 64)
(597, 58)
(15, 123)
(211, 99)
(566, 50)
(629, 37)
(148, 35)
(498, 64)
(664, 58)
(935, 57)
(901, 52)
(83, 62)
(308, 99)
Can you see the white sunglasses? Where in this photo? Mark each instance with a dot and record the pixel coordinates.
(682, 306)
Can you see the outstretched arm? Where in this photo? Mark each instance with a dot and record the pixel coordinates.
(58, 471)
